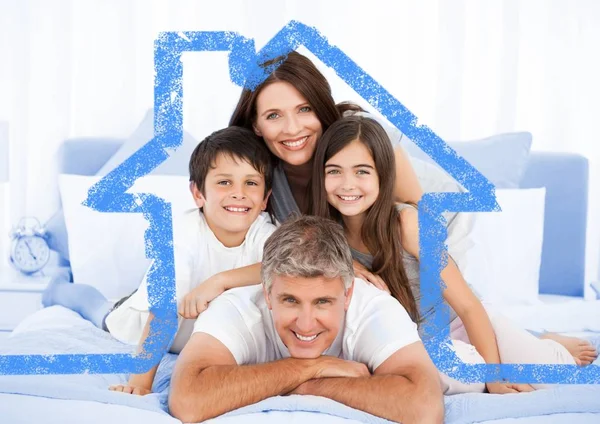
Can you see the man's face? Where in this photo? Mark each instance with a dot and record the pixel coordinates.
(308, 313)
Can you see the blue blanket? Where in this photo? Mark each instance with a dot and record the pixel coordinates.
(82, 338)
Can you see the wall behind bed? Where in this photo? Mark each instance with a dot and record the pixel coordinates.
(467, 69)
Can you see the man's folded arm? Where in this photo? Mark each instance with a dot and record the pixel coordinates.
(208, 382)
(404, 388)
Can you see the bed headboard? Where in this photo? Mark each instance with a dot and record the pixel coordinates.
(564, 175)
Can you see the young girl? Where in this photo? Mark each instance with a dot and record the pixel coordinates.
(353, 181)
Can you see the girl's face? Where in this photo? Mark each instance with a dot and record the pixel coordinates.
(351, 181)
(287, 123)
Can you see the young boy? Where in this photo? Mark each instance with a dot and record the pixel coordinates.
(217, 246)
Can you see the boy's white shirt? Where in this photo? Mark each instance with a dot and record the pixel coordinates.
(198, 256)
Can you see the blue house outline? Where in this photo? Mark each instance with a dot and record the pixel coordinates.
(110, 195)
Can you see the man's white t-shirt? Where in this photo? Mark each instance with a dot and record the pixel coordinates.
(376, 326)
(198, 256)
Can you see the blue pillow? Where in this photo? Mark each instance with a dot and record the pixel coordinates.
(501, 158)
(176, 164)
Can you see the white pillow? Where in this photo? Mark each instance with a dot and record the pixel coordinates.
(460, 225)
(107, 250)
(504, 263)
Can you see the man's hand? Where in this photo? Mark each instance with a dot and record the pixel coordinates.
(304, 388)
(196, 301)
(132, 390)
(503, 388)
(361, 271)
(330, 366)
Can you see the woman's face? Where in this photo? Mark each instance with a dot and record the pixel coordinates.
(287, 123)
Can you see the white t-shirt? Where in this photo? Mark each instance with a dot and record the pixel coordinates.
(376, 327)
(198, 256)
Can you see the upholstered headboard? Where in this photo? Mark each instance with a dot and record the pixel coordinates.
(564, 175)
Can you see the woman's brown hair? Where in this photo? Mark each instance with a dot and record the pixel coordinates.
(381, 228)
(304, 76)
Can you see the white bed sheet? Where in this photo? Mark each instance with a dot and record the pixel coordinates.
(551, 419)
(23, 408)
(559, 314)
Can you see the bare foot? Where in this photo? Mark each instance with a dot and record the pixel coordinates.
(582, 350)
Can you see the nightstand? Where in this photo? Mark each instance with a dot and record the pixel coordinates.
(20, 296)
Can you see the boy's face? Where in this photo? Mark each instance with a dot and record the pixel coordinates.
(234, 196)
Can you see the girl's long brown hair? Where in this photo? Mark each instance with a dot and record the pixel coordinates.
(304, 76)
(381, 228)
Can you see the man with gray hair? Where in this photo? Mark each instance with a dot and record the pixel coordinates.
(310, 329)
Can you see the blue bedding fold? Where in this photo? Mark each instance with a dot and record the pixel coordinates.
(464, 408)
(81, 338)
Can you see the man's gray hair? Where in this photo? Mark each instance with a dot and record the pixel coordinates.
(307, 246)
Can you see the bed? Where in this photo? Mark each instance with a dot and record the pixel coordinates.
(76, 398)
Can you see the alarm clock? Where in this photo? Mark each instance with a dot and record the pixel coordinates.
(29, 251)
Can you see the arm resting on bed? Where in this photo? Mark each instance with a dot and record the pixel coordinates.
(405, 388)
(207, 381)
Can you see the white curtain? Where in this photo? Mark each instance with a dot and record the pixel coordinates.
(466, 68)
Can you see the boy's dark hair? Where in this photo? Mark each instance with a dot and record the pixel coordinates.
(236, 142)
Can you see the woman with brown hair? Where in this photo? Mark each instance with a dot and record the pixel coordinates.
(290, 110)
